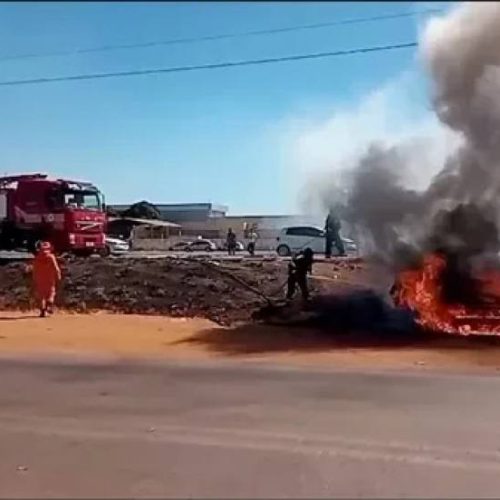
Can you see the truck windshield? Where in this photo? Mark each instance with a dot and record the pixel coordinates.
(81, 199)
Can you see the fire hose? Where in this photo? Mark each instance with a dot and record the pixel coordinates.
(223, 271)
(242, 282)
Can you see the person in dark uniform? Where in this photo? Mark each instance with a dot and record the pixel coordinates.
(231, 242)
(298, 269)
(332, 230)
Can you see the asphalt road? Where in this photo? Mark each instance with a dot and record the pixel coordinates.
(209, 429)
(219, 254)
(153, 254)
(259, 255)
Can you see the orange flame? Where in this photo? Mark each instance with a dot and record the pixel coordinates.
(421, 291)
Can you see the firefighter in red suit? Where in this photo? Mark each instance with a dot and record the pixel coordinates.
(46, 276)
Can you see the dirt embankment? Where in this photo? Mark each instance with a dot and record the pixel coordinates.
(173, 287)
(179, 289)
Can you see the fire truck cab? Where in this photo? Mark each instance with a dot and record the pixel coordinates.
(69, 214)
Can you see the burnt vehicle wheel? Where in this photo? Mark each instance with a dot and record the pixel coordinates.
(283, 251)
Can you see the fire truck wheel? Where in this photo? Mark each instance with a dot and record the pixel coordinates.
(105, 252)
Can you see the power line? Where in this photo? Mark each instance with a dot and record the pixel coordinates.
(229, 64)
(223, 36)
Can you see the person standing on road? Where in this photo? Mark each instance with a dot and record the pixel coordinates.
(46, 276)
(131, 238)
(253, 241)
(231, 242)
(298, 269)
(332, 230)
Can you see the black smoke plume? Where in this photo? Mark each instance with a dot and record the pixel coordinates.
(458, 213)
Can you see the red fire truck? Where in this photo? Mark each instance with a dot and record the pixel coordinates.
(70, 214)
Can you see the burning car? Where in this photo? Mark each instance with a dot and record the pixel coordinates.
(446, 299)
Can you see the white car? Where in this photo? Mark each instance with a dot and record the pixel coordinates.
(295, 238)
(201, 246)
(115, 246)
(239, 246)
(180, 246)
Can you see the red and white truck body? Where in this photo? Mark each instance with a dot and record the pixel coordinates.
(69, 214)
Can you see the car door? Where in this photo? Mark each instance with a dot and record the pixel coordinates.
(302, 237)
(295, 238)
(198, 246)
(317, 239)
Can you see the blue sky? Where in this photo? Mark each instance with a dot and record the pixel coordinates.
(188, 137)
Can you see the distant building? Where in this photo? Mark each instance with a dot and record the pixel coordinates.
(143, 228)
(211, 221)
(184, 212)
(266, 226)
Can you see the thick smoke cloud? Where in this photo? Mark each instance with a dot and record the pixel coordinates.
(461, 52)
(460, 208)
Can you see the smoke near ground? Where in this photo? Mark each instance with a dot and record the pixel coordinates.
(460, 207)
